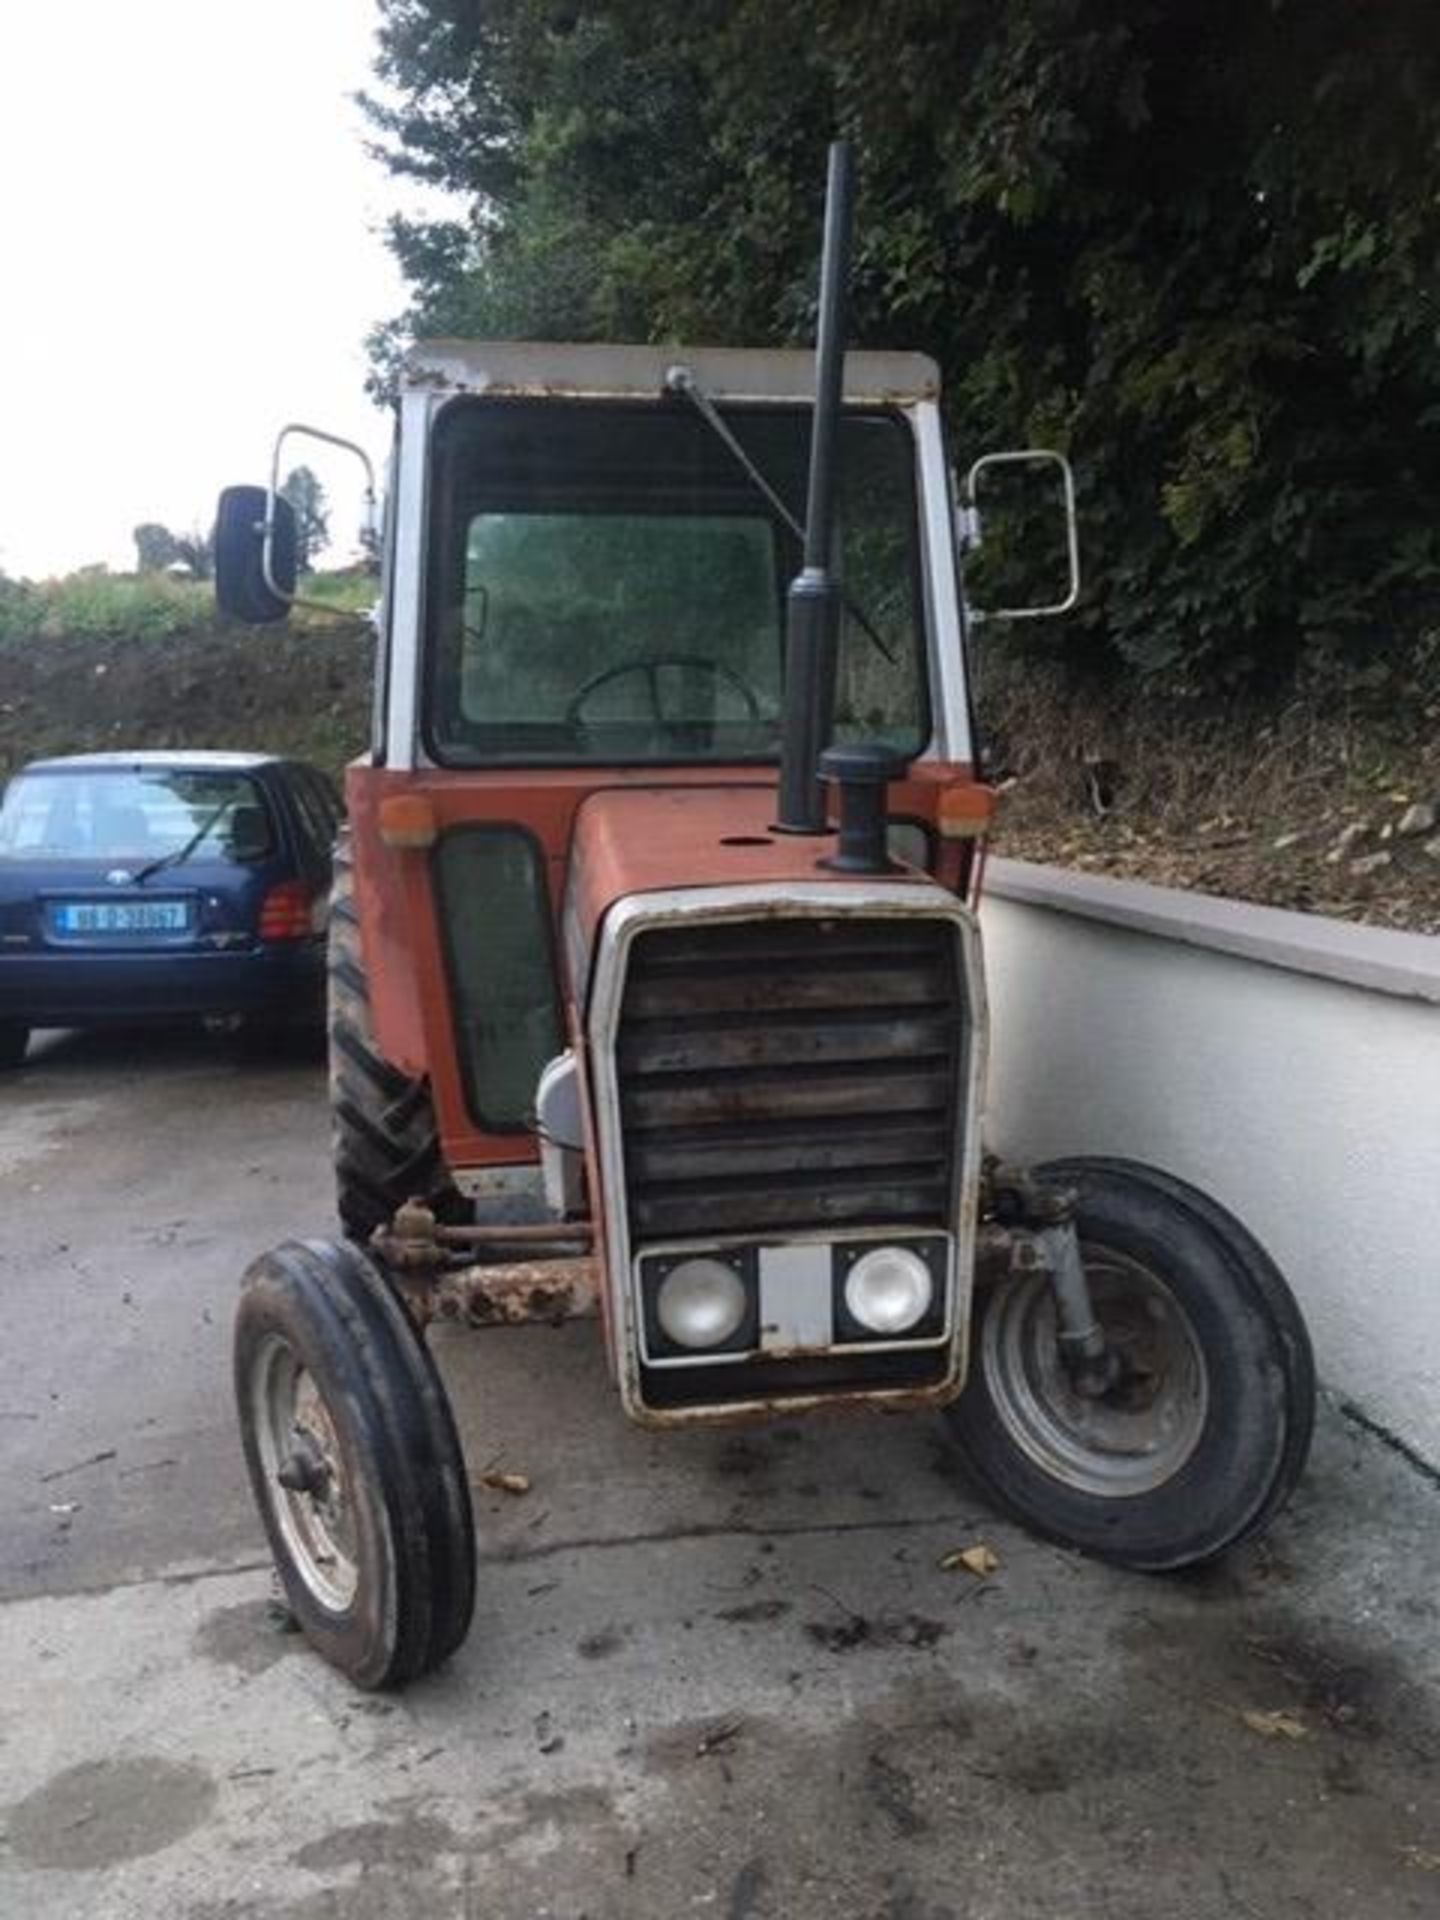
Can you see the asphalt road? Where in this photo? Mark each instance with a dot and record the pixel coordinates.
(710, 1674)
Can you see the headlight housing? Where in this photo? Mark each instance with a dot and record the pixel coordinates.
(888, 1291)
(793, 1302)
(701, 1304)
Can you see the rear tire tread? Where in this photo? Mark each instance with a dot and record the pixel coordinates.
(386, 1142)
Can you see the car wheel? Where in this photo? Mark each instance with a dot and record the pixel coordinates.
(14, 1039)
(1204, 1435)
(386, 1142)
(354, 1463)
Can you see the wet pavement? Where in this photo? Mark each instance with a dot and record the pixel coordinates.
(719, 1674)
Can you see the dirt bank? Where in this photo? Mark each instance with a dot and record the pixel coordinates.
(1322, 804)
(1319, 802)
(301, 689)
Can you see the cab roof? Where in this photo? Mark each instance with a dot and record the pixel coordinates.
(539, 368)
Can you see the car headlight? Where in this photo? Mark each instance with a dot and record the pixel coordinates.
(701, 1303)
(888, 1291)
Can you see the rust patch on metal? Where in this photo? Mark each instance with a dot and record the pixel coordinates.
(514, 1294)
(436, 1281)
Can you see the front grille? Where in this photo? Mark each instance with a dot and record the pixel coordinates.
(784, 1074)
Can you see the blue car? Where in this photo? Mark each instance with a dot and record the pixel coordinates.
(145, 886)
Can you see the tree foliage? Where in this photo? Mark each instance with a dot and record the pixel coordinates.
(306, 495)
(159, 550)
(155, 547)
(1192, 242)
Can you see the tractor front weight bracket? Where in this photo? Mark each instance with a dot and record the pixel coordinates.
(489, 1276)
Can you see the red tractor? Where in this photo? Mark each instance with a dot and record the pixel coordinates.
(656, 993)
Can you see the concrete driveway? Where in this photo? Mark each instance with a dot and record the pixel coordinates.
(715, 1675)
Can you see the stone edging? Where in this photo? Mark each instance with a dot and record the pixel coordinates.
(1404, 964)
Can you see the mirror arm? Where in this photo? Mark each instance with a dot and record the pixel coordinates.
(967, 526)
(267, 529)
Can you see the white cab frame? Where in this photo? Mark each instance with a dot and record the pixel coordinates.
(441, 374)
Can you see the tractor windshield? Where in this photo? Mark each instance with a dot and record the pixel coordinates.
(608, 584)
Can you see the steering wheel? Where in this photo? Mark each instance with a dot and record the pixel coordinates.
(651, 666)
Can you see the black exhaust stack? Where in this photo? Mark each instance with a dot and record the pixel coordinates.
(812, 622)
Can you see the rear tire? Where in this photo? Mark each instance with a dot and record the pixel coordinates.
(14, 1039)
(386, 1143)
(372, 1531)
(1204, 1438)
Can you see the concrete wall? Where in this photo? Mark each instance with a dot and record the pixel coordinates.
(1288, 1064)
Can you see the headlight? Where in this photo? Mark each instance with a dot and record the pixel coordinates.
(701, 1303)
(888, 1291)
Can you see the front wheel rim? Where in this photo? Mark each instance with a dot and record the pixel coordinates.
(289, 1414)
(1132, 1439)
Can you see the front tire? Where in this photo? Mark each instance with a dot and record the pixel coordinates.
(1205, 1435)
(14, 1039)
(354, 1463)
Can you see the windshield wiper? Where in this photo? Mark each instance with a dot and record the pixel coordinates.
(181, 854)
(681, 380)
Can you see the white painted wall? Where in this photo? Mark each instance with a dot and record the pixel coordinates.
(1232, 1045)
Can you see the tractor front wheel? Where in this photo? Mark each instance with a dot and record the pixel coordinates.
(1203, 1434)
(354, 1463)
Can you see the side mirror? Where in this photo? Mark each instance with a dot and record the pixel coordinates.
(255, 548)
(969, 529)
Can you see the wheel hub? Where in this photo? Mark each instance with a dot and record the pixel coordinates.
(1136, 1433)
(304, 1468)
(303, 1462)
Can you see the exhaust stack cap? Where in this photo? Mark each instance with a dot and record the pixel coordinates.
(863, 773)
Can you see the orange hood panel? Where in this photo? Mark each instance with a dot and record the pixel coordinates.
(662, 838)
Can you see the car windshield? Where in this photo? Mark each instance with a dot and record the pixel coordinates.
(609, 584)
(134, 814)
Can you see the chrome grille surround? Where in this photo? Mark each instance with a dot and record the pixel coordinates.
(857, 903)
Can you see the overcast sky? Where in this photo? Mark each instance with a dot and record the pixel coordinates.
(190, 255)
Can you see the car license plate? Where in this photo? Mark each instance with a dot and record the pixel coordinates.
(122, 916)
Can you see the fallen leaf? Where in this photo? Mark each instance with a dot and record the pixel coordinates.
(1275, 1725)
(516, 1483)
(719, 1736)
(1421, 1857)
(979, 1560)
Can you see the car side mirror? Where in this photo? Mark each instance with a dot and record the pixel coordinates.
(255, 547)
(969, 527)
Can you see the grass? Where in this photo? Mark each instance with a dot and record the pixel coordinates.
(352, 591)
(95, 604)
(91, 605)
